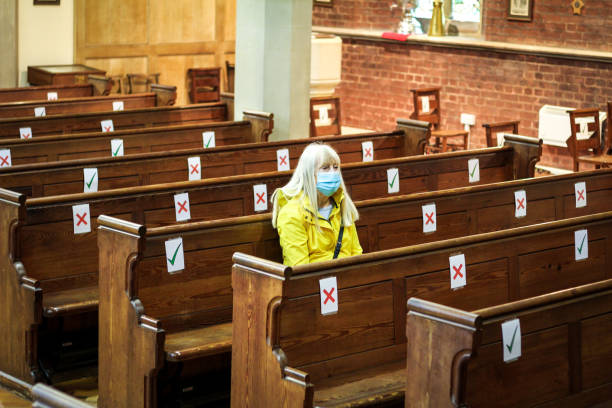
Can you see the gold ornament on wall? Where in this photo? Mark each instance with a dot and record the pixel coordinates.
(577, 5)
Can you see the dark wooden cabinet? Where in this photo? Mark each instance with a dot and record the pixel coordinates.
(61, 74)
(204, 84)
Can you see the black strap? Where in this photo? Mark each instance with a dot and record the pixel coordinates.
(339, 243)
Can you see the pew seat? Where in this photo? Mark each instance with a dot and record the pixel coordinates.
(70, 301)
(379, 384)
(200, 342)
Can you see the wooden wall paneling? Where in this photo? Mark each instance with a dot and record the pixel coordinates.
(164, 37)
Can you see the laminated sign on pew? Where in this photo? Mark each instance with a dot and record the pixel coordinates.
(117, 106)
(458, 271)
(175, 257)
(429, 218)
(25, 133)
(329, 295)
(5, 158)
(473, 170)
(520, 203)
(117, 147)
(581, 244)
(81, 218)
(367, 151)
(511, 340)
(39, 112)
(282, 160)
(181, 207)
(107, 125)
(260, 197)
(208, 139)
(90, 180)
(392, 180)
(581, 194)
(52, 96)
(194, 168)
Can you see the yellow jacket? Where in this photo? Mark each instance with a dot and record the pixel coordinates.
(302, 243)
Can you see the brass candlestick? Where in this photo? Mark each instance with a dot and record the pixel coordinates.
(436, 28)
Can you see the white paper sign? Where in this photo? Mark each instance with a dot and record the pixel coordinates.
(329, 295)
(282, 159)
(25, 133)
(425, 104)
(175, 258)
(181, 207)
(511, 340)
(323, 115)
(116, 147)
(40, 111)
(5, 158)
(520, 203)
(367, 151)
(473, 170)
(90, 180)
(429, 218)
(584, 130)
(581, 244)
(194, 168)
(208, 139)
(52, 96)
(107, 125)
(581, 194)
(500, 138)
(117, 105)
(260, 197)
(392, 180)
(458, 271)
(81, 218)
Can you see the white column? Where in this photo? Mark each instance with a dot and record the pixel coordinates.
(273, 63)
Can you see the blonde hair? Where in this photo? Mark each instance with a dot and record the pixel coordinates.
(303, 180)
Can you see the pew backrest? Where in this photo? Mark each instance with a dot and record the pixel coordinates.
(282, 344)
(129, 119)
(563, 341)
(97, 85)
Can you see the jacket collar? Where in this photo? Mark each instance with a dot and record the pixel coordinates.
(336, 199)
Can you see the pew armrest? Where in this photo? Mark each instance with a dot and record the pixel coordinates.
(527, 152)
(166, 94)
(80, 300)
(262, 124)
(417, 134)
(47, 397)
(228, 99)
(102, 85)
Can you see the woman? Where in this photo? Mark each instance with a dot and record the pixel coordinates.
(313, 213)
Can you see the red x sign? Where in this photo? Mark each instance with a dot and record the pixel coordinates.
(260, 198)
(81, 219)
(457, 271)
(429, 218)
(520, 203)
(107, 128)
(328, 296)
(182, 206)
(580, 195)
(26, 135)
(194, 168)
(283, 160)
(4, 161)
(368, 152)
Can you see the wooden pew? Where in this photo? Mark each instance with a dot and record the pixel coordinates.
(254, 127)
(458, 357)
(129, 119)
(96, 85)
(384, 224)
(67, 177)
(40, 233)
(48, 397)
(164, 96)
(285, 353)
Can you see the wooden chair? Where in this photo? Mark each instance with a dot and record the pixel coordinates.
(585, 122)
(325, 116)
(230, 70)
(141, 82)
(495, 130)
(427, 107)
(204, 84)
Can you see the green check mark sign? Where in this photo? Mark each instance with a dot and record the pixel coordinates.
(174, 256)
(116, 152)
(511, 345)
(208, 142)
(89, 183)
(393, 180)
(581, 244)
(473, 170)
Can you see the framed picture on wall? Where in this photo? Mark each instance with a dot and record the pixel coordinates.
(324, 3)
(520, 10)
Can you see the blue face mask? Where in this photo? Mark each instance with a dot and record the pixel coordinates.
(328, 182)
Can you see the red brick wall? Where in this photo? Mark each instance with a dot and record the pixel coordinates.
(369, 14)
(554, 24)
(377, 78)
